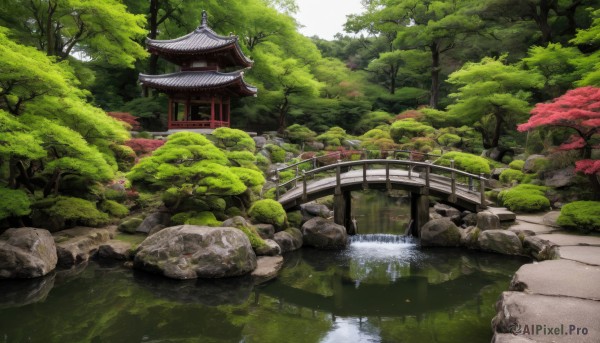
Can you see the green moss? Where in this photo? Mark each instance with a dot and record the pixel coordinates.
(269, 212)
(294, 218)
(73, 211)
(529, 178)
(13, 202)
(525, 198)
(467, 162)
(114, 209)
(262, 161)
(581, 215)
(517, 164)
(234, 212)
(277, 154)
(233, 140)
(541, 164)
(195, 218)
(130, 225)
(510, 175)
(255, 240)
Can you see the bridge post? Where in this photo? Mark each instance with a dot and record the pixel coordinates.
(419, 211)
(342, 211)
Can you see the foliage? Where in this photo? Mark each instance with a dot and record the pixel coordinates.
(589, 167)
(196, 218)
(377, 139)
(71, 211)
(580, 215)
(517, 164)
(143, 146)
(371, 120)
(578, 109)
(467, 162)
(525, 198)
(114, 208)
(448, 139)
(510, 175)
(127, 118)
(13, 203)
(405, 129)
(233, 140)
(268, 211)
(277, 153)
(334, 137)
(299, 133)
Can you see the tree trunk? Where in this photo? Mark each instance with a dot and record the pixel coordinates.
(52, 184)
(497, 131)
(153, 28)
(541, 19)
(435, 75)
(282, 113)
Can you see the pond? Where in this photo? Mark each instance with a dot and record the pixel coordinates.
(383, 288)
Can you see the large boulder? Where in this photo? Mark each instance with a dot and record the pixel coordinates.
(529, 166)
(270, 248)
(323, 234)
(500, 241)
(267, 268)
(265, 231)
(440, 233)
(560, 178)
(153, 221)
(189, 251)
(445, 210)
(77, 245)
(289, 239)
(469, 236)
(26, 253)
(114, 250)
(314, 209)
(539, 248)
(130, 225)
(487, 221)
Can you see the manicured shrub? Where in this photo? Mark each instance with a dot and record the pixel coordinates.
(517, 164)
(525, 198)
(405, 129)
(299, 133)
(68, 212)
(233, 140)
(580, 215)
(114, 209)
(142, 146)
(196, 218)
(510, 175)
(373, 119)
(449, 140)
(277, 153)
(334, 137)
(269, 212)
(467, 162)
(262, 161)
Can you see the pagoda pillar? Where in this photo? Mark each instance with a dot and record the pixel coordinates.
(212, 113)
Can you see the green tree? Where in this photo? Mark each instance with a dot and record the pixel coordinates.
(493, 96)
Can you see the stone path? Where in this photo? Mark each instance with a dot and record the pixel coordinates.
(555, 300)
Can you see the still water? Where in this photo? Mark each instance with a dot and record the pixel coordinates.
(383, 288)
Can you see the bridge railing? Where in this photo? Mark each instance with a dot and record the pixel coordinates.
(427, 171)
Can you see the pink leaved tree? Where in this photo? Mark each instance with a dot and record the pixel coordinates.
(579, 110)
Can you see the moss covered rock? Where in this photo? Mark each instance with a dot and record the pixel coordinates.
(467, 162)
(510, 175)
(517, 165)
(130, 225)
(525, 198)
(581, 215)
(61, 212)
(114, 209)
(440, 233)
(268, 211)
(500, 241)
(203, 218)
(289, 239)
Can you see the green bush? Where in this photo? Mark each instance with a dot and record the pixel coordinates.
(269, 212)
(529, 178)
(13, 202)
(299, 133)
(517, 164)
(467, 162)
(196, 218)
(581, 215)
(233, 140)
(70, 211)
(262, 161)
(114, 209)
(449, 140)
(277, 153)
(510, 175)
(405, 129)
(334, 137)
(525, 198)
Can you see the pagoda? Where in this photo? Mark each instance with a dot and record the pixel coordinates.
(210, 73)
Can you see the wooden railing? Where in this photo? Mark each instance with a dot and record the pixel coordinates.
(197, 124)
(429, 172)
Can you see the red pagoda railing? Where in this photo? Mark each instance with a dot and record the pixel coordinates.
(198, 124)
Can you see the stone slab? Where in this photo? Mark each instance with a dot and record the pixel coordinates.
(560, 278)
(76, 245)
(267, 267)
(548, 218)
(531, 228)
(565, 239)
(583, 254)
(517, 312)
(503, 213)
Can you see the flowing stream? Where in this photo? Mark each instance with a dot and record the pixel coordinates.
(382, 288)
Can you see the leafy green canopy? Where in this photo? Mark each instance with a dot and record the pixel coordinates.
(470, 163)
(405, 129)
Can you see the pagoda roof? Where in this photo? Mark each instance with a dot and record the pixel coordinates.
(199, 81)
(202, 41)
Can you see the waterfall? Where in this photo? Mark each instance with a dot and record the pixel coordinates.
(383, 239)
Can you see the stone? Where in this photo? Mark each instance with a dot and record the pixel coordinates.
(316, 146)
(510, 338)
(517, 312)
(529, 166)
(445, 210)
(497, 171)
(267, 268)
(271, 248)
(324, 234)
(504, 215)
(470, 219)
(259, 141)
(440, 233)
(130, 225)
(583, 254)
(156, 229)
(500, 241)
(16, 293)
(487, 221)
(562, 239)
(468, 237)
(539, 248)
(265, 231)
(26, 253)
(115, 250)
(530, 228)
(289, 239)
(576, 279)
(237, 221)
(560, 178)
(190, 251)
(152, 221)
(77, 245)
(315, 209)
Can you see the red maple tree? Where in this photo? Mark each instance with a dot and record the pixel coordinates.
(127, 118)
(578, 109)
(143, 146)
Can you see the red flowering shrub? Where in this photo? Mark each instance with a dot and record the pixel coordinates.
(143, 146)
(127, 118)
(588, 167)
